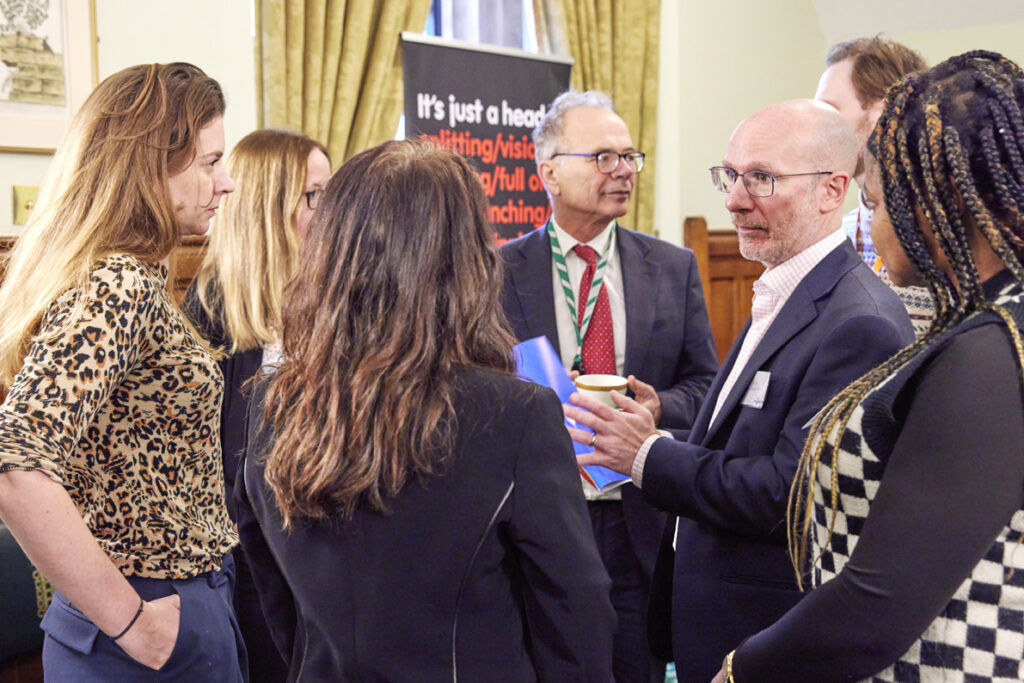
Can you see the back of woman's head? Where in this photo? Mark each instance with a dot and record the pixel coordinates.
(253, 249)
(401, 242)
(400, 285)
(951, 141)
(107, 189)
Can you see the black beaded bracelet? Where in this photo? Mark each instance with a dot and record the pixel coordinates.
(132, 622)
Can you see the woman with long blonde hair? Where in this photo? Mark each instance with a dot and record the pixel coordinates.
(235, 300)
(411, 509)
(110, 469)
(254, 248)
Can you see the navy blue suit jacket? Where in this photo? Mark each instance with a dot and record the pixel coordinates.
(730, 483)
(668, 337)
(237, 368)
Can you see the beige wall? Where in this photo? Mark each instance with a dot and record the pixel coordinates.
(936, 46)
(719, 63)
(706, 86)
(216, 35)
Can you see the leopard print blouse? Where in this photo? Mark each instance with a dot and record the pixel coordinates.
(123, 409)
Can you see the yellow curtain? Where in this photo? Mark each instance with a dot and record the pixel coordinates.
(615, 47)
(332, 69)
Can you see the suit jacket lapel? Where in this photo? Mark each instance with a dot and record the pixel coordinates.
(531, 278)
(638, 285)
(700, 432)
(798, 312)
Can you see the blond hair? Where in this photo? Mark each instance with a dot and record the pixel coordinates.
(253, 248)
(106, 192)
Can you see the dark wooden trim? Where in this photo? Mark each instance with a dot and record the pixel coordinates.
(727, 279)
(185, 260)
(695, 237)
(185, 263)
(24, 669)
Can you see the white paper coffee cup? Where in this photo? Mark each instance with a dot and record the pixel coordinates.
(600, 387)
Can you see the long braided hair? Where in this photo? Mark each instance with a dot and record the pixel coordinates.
(950, 143)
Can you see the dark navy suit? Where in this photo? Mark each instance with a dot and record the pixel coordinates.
(730, 575)
(668, 341)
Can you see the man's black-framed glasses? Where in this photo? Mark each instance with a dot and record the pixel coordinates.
(758, 183)
(313, 198)
(607, 162)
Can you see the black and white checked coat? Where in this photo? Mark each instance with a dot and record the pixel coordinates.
(979, 636)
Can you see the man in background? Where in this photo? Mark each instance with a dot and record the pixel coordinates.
(648, 321)
(858, 74)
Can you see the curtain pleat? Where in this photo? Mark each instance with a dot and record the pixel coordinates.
(332, 69)
(614, 44)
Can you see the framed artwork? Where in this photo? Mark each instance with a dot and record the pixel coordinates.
(47, 69)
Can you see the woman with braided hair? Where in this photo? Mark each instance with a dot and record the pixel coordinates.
(908, 507)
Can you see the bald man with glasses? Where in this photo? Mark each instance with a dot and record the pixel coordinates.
(820, 319)
(648, 320)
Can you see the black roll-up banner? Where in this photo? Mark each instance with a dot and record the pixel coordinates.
(484, 103)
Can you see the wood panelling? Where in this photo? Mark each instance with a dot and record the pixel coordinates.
(184, 261)
(727, 278)
(25, 669)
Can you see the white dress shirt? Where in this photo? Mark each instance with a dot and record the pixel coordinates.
(612, 283)
(776, 284)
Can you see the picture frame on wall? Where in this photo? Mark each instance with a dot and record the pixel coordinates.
(47, 69)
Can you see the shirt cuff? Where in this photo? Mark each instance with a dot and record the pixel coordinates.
(636, 472)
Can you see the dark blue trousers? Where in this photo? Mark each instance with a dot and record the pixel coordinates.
(632, 661)
(209, 645)
(265, 662)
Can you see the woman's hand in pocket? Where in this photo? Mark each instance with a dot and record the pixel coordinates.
(151, 640)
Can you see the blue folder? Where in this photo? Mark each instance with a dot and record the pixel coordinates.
(537, 361)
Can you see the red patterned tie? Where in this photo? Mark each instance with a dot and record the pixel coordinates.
(598, 354)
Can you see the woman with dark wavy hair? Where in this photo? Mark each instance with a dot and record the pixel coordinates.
(411, 509)
(908, 505)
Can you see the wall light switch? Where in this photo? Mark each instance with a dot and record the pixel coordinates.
(24, 200)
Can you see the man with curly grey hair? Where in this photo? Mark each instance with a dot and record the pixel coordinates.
(611, 301)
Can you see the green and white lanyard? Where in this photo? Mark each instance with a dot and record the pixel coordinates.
(595, 287)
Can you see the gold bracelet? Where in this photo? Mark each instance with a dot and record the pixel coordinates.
(727, 667)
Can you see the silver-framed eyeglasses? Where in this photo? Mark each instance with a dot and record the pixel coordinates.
(758, 183)
(313, 198)
(607, 162)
